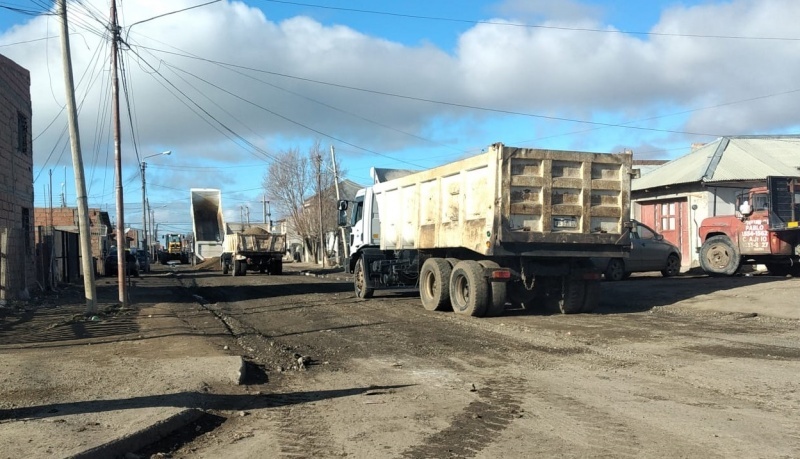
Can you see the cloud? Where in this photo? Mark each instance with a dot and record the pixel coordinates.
(227, 84)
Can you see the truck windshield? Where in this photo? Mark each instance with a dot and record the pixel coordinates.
(759, 202)
(358, 210)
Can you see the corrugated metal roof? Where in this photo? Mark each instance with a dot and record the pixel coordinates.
(729, 159)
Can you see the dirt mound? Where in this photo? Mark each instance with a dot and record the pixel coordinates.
(209, 264)
(255, 230)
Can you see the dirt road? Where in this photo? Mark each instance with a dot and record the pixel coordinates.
(681, 367)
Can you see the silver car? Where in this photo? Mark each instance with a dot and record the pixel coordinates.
(649, 252)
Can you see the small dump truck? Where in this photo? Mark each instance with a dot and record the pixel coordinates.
(252, 248)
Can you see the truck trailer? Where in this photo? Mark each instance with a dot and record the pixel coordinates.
(252, 247)
(514, 225)
(208, 223)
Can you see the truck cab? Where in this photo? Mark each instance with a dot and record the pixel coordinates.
(763, 230)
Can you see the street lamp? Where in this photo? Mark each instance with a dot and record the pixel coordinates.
(144, 198)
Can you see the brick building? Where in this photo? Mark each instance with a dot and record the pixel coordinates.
(16, 182)
(58, 243)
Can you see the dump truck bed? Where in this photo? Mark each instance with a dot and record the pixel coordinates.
(512, 201)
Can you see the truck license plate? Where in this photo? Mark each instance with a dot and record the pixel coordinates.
(565, 222)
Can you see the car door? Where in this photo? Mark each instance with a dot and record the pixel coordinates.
(655, 249)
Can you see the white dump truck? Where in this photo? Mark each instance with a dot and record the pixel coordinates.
(252, 247)
(511, 225)
(208, 223)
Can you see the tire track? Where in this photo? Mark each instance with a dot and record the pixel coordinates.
(477, 426)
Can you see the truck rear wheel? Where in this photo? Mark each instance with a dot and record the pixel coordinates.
(434, 284)
(497, 292)
(573, 296)
(276, 267)
(718, 256)
(225, 266)
(360, 281)
(469, 293)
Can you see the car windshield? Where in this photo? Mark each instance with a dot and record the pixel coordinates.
(643, 232)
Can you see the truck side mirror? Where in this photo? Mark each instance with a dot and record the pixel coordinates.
(745, 208)
(342, 217)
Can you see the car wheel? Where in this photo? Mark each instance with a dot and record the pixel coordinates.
(615, 271)
(673, 266)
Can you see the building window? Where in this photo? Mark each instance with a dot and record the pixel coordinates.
(22, 132)
(26, 228)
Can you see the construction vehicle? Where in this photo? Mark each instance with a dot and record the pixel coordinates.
(208, 223)
(175, 249)
(764, 230)
(252, 247)
(511, 225)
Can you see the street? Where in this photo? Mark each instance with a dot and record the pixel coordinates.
(680, 367)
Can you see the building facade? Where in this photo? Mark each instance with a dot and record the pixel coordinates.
(675, 197)
(58, 245)
(17, 270)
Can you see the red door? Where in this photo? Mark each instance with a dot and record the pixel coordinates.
(670, 219)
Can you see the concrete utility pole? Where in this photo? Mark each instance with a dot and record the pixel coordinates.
(319, 201)
(121, 261)
(342, 254)
(87, 265)
(145, 203)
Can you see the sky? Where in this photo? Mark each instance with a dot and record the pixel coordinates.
(225, 86)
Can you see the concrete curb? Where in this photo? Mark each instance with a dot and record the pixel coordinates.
(144, 437)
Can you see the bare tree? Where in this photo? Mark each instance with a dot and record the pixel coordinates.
(293, 185)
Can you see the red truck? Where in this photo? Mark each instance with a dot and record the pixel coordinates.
(764, 230)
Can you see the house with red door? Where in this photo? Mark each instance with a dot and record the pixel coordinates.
(675, 197)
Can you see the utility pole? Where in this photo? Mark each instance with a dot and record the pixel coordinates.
(338, 197)
(264, 204)
(121, 261)
(87, 265)
(144, 208)
(319, 203)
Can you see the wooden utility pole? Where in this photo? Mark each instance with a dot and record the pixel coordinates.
(121, 261)
(342, 254)
(87, 264)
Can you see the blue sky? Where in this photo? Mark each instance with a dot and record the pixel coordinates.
(408, 84)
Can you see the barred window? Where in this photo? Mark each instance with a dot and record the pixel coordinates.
(22, 132)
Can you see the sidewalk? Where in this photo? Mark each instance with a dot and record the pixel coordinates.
(111, 383)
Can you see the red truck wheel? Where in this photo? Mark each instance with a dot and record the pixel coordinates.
(718, 256)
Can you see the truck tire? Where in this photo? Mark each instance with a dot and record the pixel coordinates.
(469, 292)
(615, 271)
(573, 296)
(434, 284)
(497, 292)
(276, 267)
(591, 298)
(777, 269)
(718, 256)
(236, 268)
(360, 281)
(243, 268)
(673, 267)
